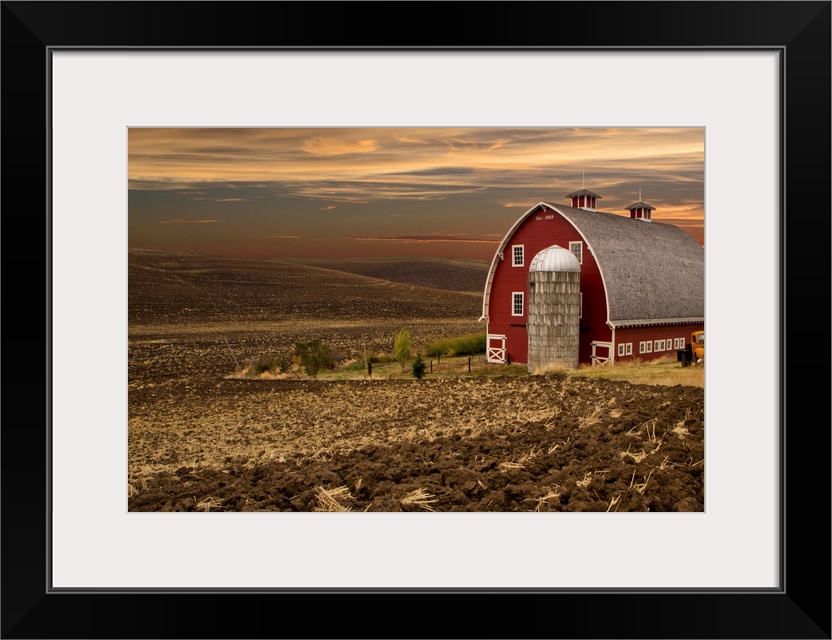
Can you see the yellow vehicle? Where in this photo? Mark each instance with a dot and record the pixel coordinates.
(697, 344)
(694, 351)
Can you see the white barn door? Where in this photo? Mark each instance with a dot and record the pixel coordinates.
(496, 348)
(601, 352)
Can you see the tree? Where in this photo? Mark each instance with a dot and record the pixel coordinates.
(314, 355)
(401, 348)
(418, 367)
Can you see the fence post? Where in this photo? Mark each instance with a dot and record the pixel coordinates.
(469, 364)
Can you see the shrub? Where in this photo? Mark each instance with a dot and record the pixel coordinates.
(314, 355)
(418, 367)
(467, 345)
(267, 364)
(256, 366)
(401, 348)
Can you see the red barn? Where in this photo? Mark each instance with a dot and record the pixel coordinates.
(641, 283)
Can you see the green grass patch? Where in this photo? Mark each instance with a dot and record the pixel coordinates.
(470, 344)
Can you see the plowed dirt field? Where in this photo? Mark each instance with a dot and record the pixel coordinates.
(199, 440)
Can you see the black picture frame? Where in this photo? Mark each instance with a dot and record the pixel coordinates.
(799, 31)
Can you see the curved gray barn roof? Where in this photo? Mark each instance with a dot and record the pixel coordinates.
(652, 271)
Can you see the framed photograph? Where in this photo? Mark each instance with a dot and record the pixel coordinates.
(140, 135)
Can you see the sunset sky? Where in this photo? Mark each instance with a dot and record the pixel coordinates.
(356, 192)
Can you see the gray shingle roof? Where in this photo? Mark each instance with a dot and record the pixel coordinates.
(640, 205)
(582, 192)
(653, 272)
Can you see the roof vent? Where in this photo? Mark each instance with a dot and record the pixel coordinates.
(584, 199)
(641, 210)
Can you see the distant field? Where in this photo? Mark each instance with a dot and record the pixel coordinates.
(453, 274)
(181, 288)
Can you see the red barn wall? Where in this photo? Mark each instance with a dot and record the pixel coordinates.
(636, 335)
(540, 230)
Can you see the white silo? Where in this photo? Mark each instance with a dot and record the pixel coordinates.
(554, 309)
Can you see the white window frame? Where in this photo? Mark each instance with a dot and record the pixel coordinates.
(668, 343)
(514, 248)
(621, 349)
(514, 295)
(658, 345)
(641, 347)
(629, 349)
(580, 246)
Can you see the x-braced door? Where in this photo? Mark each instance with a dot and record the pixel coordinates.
(601, 353)
(496, 348)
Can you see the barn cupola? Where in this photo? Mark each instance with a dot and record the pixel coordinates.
(583, 198)
(641, 210)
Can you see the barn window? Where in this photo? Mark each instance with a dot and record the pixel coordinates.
(648, 346)
(517, 303)
(668, 343)
(517, 259)
(658, 345)
(577, 249)
(629, 349)
(642, 348)
(621, 349)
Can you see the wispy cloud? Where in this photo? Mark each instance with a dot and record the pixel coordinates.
(515, 205)
(329, 208)
(231, 200)
(422, 239)
(337, 147)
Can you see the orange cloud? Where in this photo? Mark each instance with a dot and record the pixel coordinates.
(512, 205)
(337, 146)
(422, 239)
